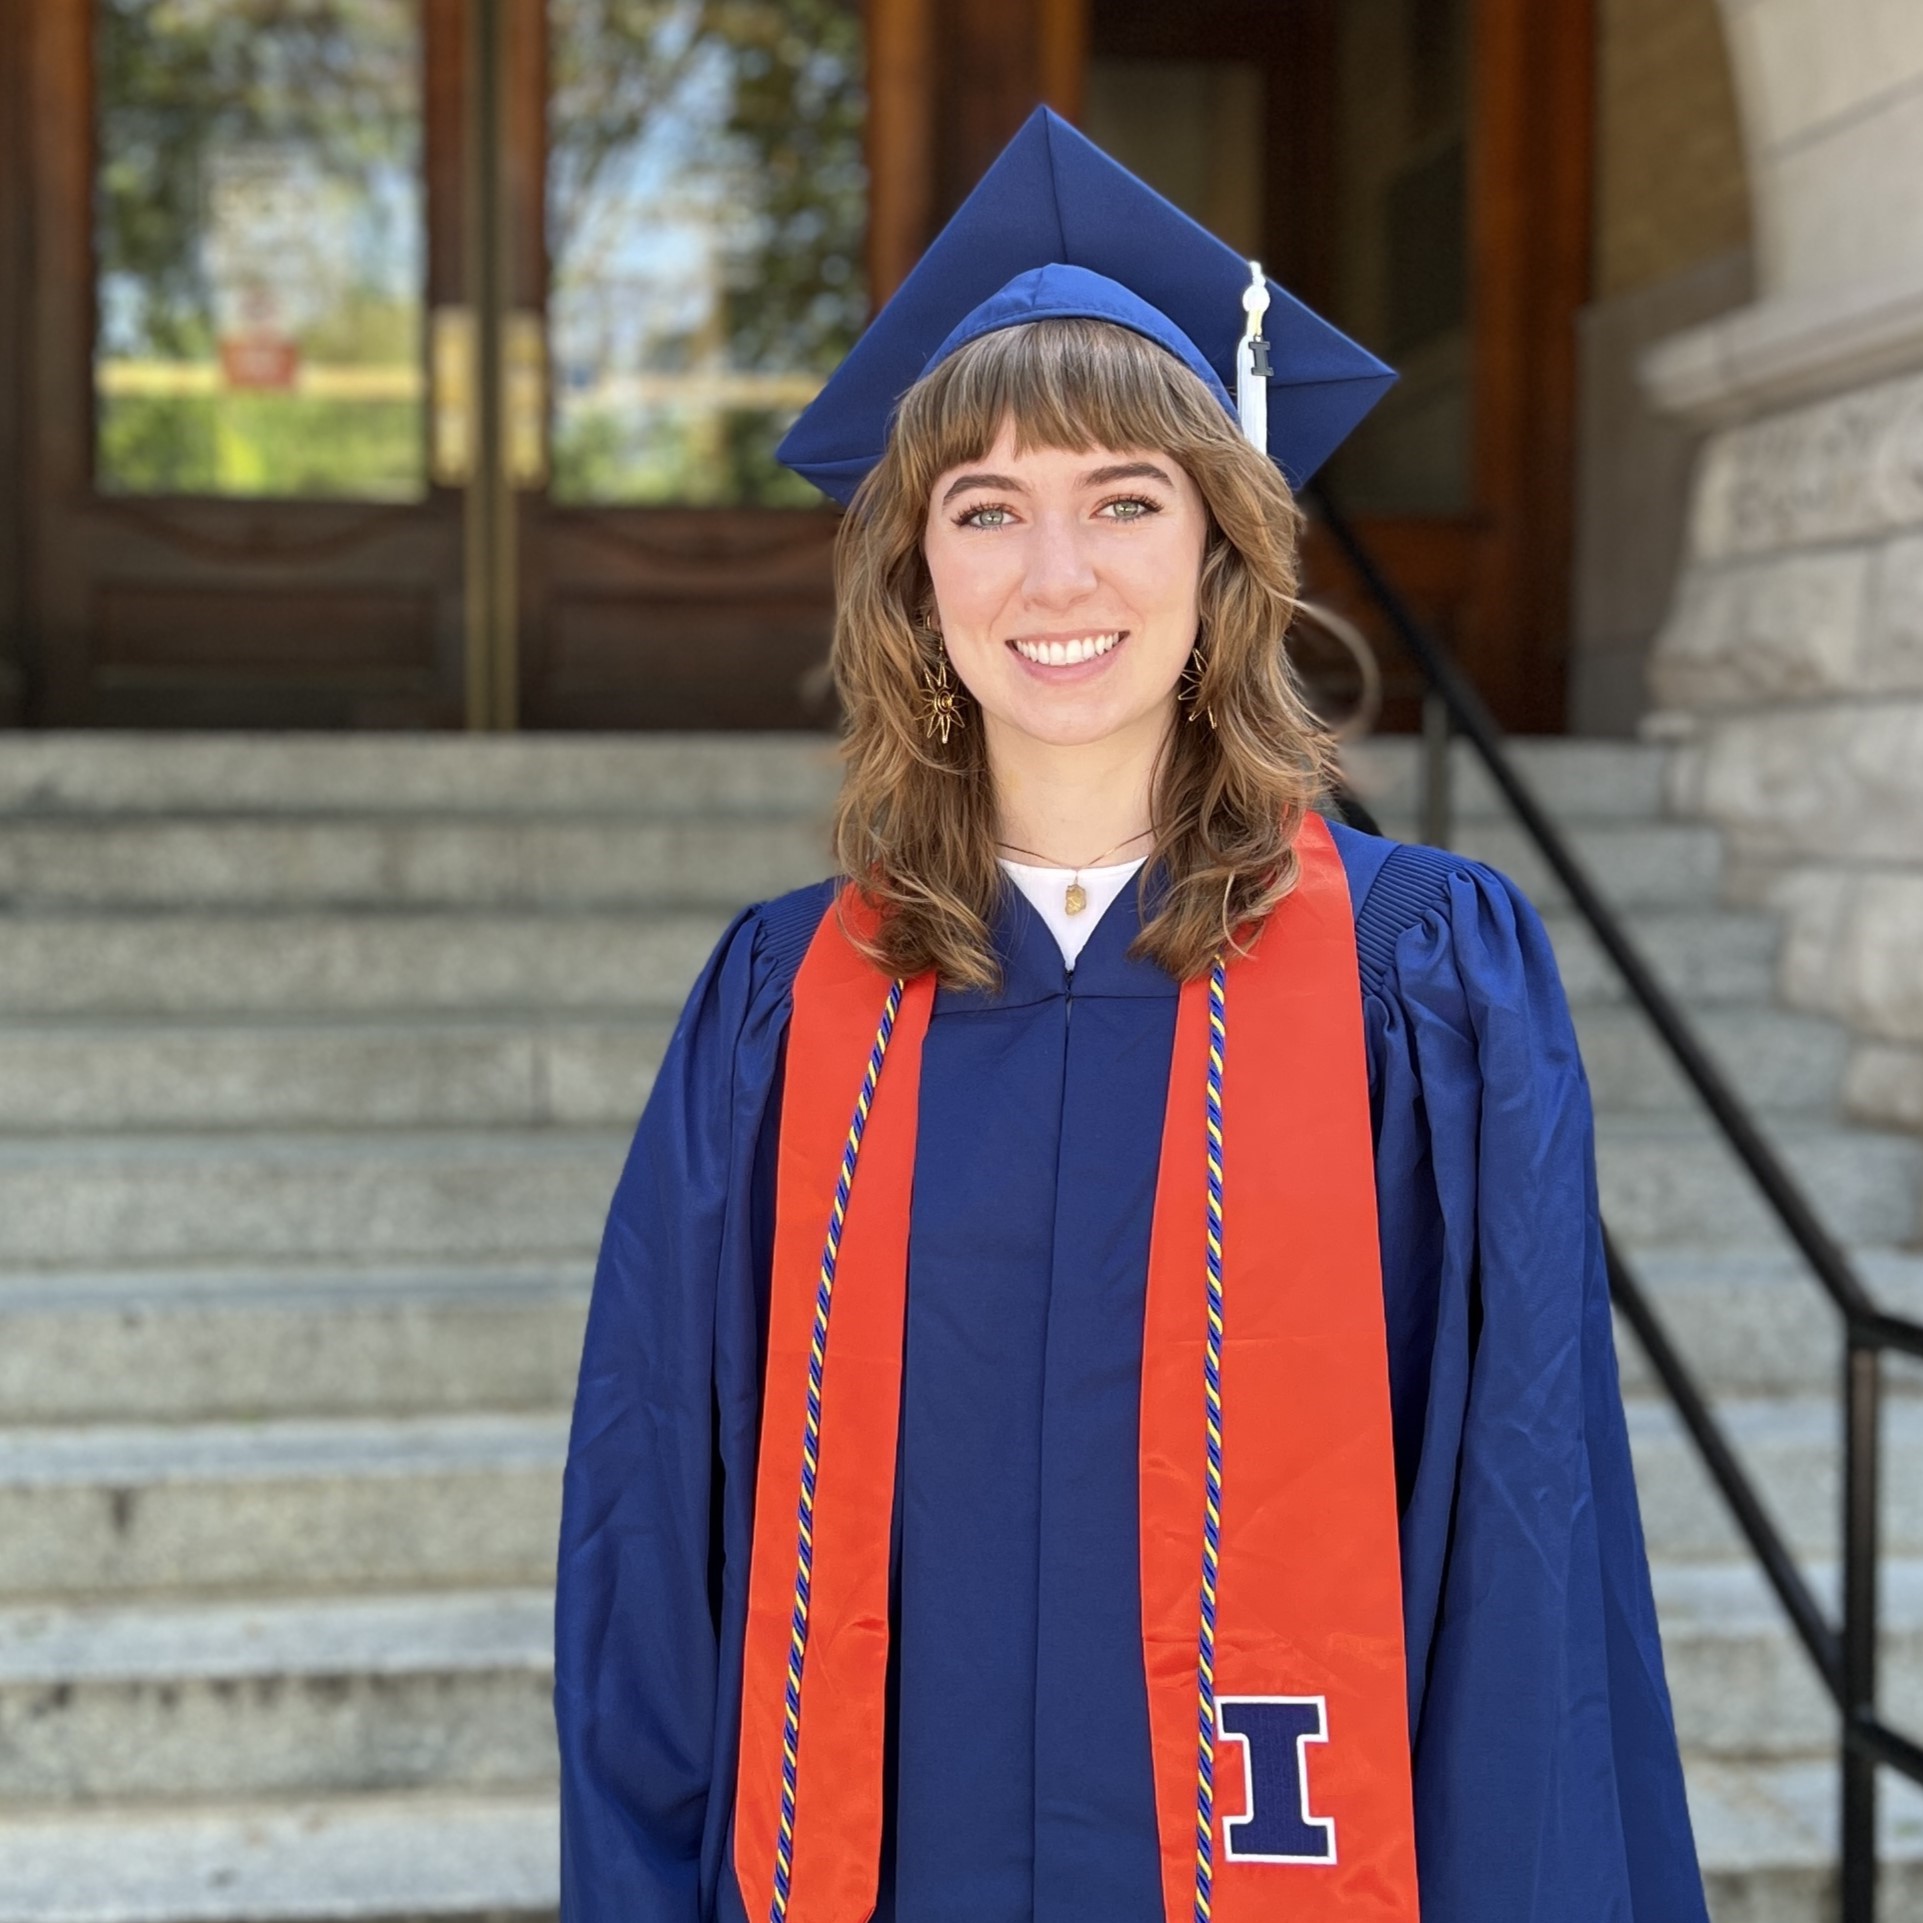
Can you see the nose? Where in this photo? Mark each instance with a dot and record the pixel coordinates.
(1059, 571)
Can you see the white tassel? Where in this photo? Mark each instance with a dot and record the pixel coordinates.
(1252, 361)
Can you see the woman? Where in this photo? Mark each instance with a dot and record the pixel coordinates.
(1099, 1403)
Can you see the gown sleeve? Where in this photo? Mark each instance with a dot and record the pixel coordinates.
(1548, 1787)
(639, 1605)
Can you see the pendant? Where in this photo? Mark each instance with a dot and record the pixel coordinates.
(1076, 899)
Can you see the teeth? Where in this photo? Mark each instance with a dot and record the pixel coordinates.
(1065, 654)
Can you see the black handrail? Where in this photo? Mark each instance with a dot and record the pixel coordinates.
(1845, 1657)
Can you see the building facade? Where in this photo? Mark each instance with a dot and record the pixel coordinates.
(418, 363)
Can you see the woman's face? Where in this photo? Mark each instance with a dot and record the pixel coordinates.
(1065, 586)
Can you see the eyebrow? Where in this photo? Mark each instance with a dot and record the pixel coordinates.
(963, 482)
(1126, 471)
(1097, 477)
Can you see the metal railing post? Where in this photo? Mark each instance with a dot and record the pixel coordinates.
(1438, 773)
(1862, 1422)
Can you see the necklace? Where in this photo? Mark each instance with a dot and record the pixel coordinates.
(1075, 897)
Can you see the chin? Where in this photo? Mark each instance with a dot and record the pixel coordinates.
(1049, 723)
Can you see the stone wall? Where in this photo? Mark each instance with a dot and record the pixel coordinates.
(1671, 249)
(1633, 470)
(1790, 667)
(1671, 185)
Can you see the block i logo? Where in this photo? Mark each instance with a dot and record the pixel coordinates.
(1275, 1733)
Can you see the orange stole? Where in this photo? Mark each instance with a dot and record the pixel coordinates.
(838, 999)
(1309, 1591)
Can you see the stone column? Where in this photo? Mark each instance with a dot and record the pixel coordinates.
(1791, 665)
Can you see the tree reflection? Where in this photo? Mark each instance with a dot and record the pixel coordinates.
(205, 109)
(707, 202)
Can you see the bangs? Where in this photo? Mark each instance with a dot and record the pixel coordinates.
(1073, 384)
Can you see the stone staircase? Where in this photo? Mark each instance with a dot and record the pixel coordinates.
(317, 1060)
(1758, 1733)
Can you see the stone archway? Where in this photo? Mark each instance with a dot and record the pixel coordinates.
(1791, 664)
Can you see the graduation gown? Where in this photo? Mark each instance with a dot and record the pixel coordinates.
(1018, 1783)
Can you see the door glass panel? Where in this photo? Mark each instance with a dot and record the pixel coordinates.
(1193, 129)
(1373, 191)
(706, 211)
(1402, 255)
(258, 220)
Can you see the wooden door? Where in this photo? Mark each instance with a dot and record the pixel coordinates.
(1418, 170)
(240, 225)
(419, 362)
(687, 222)
(702, 207)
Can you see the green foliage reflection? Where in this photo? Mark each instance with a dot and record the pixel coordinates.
(206, 108)
(707, 203)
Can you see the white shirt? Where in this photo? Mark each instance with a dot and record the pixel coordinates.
(1048, 887)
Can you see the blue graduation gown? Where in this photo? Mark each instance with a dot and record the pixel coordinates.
(1019, 1788)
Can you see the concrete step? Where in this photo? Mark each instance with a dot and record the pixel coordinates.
(287, 1507)
(1775, 1059)
(491, 1195)
(297, 1698)
(246, 1342)
(213, 1343)
(1637, 864)
(1758, 1323)
(401, 860)
(1741, 1683)
(56, 773)
(1792, 1448)
(497, 1194)
(368, 1502)
(450, 1690)
(506, 1070)
(614, 859)
(272, 962)
(465, 1858)
(1766, 1838)
(1671, 1182)
(1705, 958)
(1578, 781)
(51, 773)
(1765, 1833)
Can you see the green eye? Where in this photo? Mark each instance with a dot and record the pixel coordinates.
(984, 517)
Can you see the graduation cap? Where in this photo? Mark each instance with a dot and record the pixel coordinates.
(1056, 228)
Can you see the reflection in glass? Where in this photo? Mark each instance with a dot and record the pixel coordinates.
(258, 231)
(706, 206)
(1402, 254)
(1193, 129)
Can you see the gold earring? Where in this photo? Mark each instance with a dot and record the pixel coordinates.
(941, 699)
(1190, 690)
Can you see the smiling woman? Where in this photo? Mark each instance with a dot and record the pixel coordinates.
(1051, 486)
(1110, 1425)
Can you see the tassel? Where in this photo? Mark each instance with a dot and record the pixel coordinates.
(1252, 361)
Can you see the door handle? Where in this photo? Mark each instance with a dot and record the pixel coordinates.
(453, 362)
(524, 398)
(455, 356)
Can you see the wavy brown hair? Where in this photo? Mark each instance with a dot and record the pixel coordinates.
(916, 819)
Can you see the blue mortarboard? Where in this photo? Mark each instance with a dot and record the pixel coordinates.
(1057, 228)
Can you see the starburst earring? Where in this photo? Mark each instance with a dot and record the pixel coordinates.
(1190, 689)
(940, 698)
